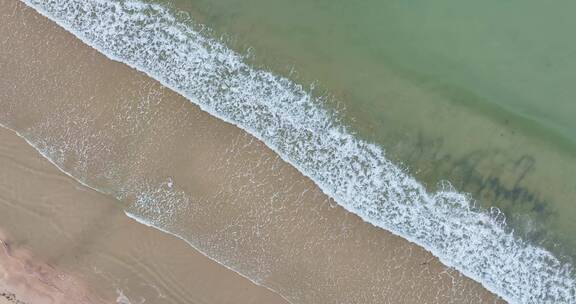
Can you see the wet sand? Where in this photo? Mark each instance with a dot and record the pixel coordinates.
(66, 243)
(209, 182)
(26, 280)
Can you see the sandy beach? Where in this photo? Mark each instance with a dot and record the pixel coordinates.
(70, 244)
(159, 158)
(65, 243)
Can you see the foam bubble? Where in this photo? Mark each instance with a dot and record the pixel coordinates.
(295, 125)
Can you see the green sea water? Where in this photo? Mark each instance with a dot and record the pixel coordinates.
(479, 94)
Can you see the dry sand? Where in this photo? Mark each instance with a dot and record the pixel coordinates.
(208, 181)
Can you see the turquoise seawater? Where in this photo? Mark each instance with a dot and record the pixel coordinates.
(514, 54)
(476, 93)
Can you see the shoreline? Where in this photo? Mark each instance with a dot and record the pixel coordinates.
(29, 278)
(12, 297)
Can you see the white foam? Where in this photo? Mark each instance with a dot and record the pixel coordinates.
(123, 299)
(291, 122)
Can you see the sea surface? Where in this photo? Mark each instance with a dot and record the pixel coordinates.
(448, 124)
(453, 90)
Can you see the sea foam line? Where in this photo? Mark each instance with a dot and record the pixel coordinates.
(291, 122)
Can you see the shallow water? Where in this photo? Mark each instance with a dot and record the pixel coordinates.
(293, 123)
(512, 54)
(81, 242)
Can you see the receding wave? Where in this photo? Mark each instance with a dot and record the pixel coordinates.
(296, 125)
